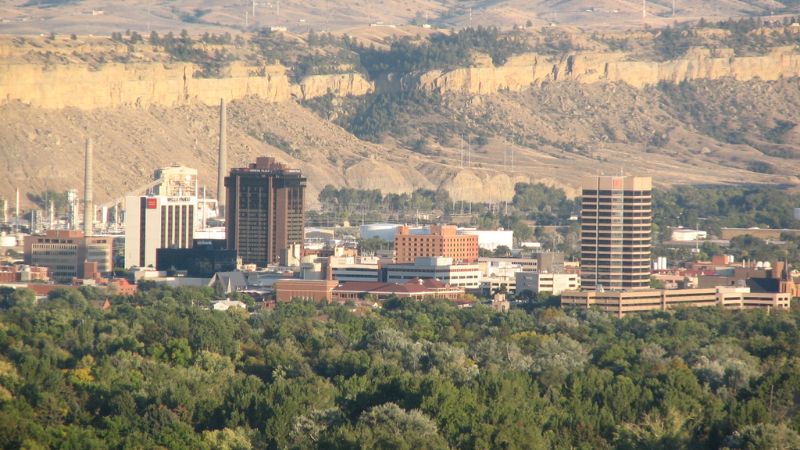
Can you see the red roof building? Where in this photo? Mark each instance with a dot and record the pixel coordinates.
(42, 290)
(123, 286)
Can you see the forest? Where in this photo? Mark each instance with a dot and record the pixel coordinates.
(710, 207)
(536, 205)
(161, 370)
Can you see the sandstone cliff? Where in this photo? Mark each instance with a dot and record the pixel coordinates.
(640, 127)
(527, 70)
(143, 85)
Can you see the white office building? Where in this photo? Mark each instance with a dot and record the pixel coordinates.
(355, 269)
(153, 222)
(467, 276)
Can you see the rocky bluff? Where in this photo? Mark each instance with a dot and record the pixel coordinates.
(112, 85)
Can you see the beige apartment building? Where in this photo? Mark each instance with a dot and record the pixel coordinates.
(554, 283)
(616, 222)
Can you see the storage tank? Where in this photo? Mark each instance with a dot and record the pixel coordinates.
(385, 231)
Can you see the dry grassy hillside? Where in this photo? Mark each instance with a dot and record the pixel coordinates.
(482, 130)
(104, 16)
(698, 133)
(42, 149)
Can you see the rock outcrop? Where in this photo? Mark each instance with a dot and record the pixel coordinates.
(112, 85)
(528, 70)
(341, 85)
(142, 85)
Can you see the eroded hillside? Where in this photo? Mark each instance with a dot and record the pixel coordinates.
(407, 115)
(477, 147)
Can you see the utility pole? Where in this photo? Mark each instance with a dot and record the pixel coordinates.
(222, 157)
(16, 214)
(88, 207)
(461, 147)
(469, 151)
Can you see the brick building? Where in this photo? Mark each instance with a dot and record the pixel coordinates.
(64, 253)
(442, 240)
(22, 273)
(314, 290)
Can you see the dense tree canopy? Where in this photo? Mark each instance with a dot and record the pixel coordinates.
(160, 369)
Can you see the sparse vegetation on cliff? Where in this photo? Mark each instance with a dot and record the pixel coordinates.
(320, 53)
(212, 62)
(443, 51)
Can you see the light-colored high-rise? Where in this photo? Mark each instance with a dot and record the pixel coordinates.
(616, 223)
(153, 222)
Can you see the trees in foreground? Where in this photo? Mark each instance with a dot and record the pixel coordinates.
(162, 370)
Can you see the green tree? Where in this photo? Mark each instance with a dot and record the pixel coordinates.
(388, 426)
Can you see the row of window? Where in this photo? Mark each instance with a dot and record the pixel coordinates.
(589, 192)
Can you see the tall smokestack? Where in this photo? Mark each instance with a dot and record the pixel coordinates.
(223, 157)
(16, 213)
(88, 208)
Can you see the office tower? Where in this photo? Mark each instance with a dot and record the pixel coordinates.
(616, 221)
(264, 212)
(153, 222)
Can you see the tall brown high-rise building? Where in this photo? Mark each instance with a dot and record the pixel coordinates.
(616, 223)
(264, 211)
